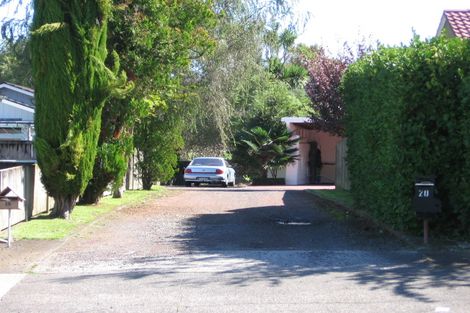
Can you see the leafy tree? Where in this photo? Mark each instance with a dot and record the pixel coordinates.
(111, 159)
(270, 100)
(271, 151)
(232, 71)
(175, 33)
(71, 83)
(324, 85)
(283, 58)
(158, 141)
(274, 93)
(15, 62)
(323, 89)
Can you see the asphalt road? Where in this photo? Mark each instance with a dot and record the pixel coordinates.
(267, 249)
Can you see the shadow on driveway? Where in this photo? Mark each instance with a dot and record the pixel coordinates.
(258, 244)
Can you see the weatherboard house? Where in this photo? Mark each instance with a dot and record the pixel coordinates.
(17, 158)
(16, 124)
(16, 112)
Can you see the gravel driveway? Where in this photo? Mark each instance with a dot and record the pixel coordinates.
(265, 249)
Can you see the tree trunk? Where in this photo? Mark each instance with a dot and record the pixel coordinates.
(63, 206)
(93, 191)
(146, 176)
(273, 171)
(146, 183)
(264, 173)
(117, 193)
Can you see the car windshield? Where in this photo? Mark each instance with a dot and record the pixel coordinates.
(207, 162)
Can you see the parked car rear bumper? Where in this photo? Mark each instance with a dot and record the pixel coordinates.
(204, 178)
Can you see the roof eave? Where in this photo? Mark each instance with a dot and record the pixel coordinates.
(17, 88)
(441, 24)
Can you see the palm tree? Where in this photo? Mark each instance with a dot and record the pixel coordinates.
(270, 150)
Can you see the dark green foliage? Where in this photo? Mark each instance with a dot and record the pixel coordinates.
(229, 80)
(158, 140)
(115, 146)
(15, 62)
(174, 32)
(464, 175)
(407, 117)
(110, 166)
(71, 84)
(269, 151)
(276, 92)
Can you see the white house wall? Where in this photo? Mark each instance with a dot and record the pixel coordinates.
(298, 172)
(281, 173)
(302, 177)
(292, 170)
(10, 110)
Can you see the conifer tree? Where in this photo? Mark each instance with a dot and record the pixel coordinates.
(71, 84)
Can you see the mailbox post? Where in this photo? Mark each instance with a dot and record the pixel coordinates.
(10, 200)
(425, 203)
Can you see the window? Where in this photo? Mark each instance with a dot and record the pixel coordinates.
(10, 130)
(207, 162)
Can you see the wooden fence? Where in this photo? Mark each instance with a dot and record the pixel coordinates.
(24, 180)
(342, 174)
(15, 150)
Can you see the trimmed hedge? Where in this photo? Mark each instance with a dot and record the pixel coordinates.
(407, 116)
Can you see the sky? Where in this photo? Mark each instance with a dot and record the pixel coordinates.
(392, 22)
(11, 10)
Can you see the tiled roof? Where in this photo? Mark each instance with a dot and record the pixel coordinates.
(459, 21)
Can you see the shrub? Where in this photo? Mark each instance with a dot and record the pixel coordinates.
(406, 115)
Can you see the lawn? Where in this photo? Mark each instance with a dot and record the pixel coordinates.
(337, 195)
(43, 227)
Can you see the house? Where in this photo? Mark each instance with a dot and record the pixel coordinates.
(18, 168)
(16, 112)
(16, 125)
(317, 154)
(455, 23)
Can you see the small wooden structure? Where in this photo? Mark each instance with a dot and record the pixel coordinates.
(10, 200)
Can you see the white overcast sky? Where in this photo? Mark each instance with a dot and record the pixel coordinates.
(392, 22)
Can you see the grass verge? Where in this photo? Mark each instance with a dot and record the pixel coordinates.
(339, 196)
(42, 227)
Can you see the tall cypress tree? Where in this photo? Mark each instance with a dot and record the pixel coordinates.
(71, 84)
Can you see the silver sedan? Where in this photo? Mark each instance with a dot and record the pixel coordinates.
(209, 170)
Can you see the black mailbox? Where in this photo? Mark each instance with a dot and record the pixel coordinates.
(425, 202)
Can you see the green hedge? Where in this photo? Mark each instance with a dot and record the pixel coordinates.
(408, 115)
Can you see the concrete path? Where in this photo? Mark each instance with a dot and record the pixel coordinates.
(240, 250)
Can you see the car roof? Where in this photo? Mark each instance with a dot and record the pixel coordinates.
(209, 158)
